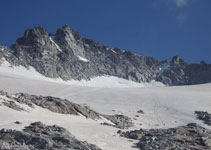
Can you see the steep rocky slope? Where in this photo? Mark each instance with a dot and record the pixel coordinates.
(68, 56)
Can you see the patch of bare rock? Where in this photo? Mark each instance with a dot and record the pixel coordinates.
(189, 137)
(204, 116)
(39, 136)
(119, 121)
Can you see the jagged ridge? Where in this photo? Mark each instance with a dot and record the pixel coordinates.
(68, 56)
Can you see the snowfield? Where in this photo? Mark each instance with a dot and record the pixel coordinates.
(163, 106)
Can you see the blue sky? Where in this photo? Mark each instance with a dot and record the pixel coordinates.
(158, 28)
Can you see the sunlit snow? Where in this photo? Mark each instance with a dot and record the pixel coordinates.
(83, 59)
(57, 46)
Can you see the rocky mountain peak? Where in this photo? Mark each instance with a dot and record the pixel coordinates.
(65, 34)
(68, 56)
(176, 60)
(32, 36)
(36, 31)
(70, 41)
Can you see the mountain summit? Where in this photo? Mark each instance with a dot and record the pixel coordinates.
(67, 55)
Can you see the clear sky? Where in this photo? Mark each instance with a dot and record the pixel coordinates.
(158, 28)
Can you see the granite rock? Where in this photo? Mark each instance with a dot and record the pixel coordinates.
(39, 136)
(67, 55)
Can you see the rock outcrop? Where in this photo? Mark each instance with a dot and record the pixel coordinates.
(189, 137)
(119, 121)
(181, 73)
(53, 104)
(39, 136)
(204, 116)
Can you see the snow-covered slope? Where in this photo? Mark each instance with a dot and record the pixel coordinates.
(102, 81)
(84, 129)
(163, 106)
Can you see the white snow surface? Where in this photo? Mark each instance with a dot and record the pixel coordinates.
(83, 59)
(57, 46)
(163, 68)
(164, 106)
(113, 50)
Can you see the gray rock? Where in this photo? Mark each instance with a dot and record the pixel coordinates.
(120, 121)
(181, 73)
(204, 116)
(57, 105)
(9, 103)
(12, 105)
(39, 136)
(59, 55)
(189, 137)
(140, 111)
(53, 104)
(17, 122)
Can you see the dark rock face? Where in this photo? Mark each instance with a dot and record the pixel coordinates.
(68, 56)
(181, 73)
(204, 116)
(7, 54)
(39, 136)
(175, 74)
(59, 56)
(189, 137)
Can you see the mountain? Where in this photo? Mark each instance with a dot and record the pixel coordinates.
(108, 111)
(67, 55)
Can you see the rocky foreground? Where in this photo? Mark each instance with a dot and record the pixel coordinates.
(189, 137)
(40, 136)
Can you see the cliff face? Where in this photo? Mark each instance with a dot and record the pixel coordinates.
(68, 56)
(181, 73)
